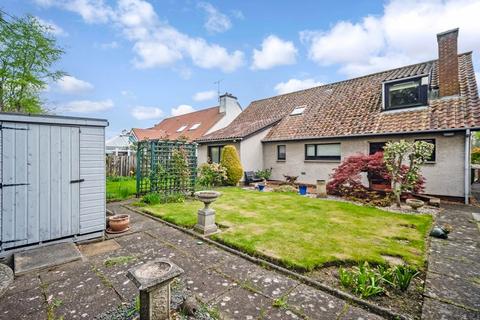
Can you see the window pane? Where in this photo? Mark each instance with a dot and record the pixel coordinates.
(215, 154)
(281, 152)
(310, 150)
(328, 150)
(376, 146)
(403, 94)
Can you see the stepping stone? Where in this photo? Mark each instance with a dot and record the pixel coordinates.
(476, 216)
(96, 248)
(6, 278)
(45, 257)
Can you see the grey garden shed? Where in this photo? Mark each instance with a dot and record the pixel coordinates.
(52, 179)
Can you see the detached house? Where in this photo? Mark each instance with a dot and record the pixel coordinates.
(193, 125)
(309, 132)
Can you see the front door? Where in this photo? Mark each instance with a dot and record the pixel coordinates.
(39, 183)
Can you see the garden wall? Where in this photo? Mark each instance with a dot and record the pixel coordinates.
(443, 177)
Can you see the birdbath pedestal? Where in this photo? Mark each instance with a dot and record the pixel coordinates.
(153, 279)
(206, 216)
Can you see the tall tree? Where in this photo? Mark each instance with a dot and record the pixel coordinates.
(28, 52)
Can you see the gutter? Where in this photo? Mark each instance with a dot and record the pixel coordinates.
(370, 135)
(467, 166)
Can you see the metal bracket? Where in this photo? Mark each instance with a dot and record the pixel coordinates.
(12, 184)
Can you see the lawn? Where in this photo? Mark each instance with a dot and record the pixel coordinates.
(306, 233)
(119, 188)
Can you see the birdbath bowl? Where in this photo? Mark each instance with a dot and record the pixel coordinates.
(206, 216)
(153, 279)
(207, 196)
(415, 204)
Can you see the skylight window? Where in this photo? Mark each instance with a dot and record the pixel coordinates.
(195, 126)
(297, 111)
(181, 128)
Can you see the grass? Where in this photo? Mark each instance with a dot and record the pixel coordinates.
(305, 233)
(119, 188)
(110, 262)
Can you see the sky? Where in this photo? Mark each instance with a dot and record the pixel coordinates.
(135, 62)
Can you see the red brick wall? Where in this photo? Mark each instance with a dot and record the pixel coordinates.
(448, 63)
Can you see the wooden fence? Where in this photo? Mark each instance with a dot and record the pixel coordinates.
(121, 165)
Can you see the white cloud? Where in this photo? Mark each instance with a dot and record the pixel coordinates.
(216, 21)
(87, 106)
(205, 95)
(53, 28)
(404, 34)
(274, 52)
(182, 109)
(296, 85)
(72, 85)
(109, 45)
(146, 113)
(155, 42)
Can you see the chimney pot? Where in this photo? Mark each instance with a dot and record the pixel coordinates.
(448, 63)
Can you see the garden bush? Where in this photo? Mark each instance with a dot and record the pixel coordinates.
(476, 155)
(264, 174)
(285, 188)
(231, 162)
(211, 175)
(151, 198)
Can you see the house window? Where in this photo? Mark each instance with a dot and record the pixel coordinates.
(405, 94)
(297, 111)
(181, 128)
(376, 147)
(432, 158)
(327, 151)
(195, 126)
(214, 153)
(281, 152)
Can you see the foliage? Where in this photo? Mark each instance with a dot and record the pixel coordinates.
(119, 188)
(285, 188)
(403, 275)
(267, 223)
(110, 262)
(367, 281)
(290, 179)
(180, 169)
(346, 180)
(264, 174)
(28, 51)
(476, 155)
(154, 198)
(211, 174)
(231, 162)
(404, 178)
(281, 302)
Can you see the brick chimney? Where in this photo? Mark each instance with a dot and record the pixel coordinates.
(448, 63)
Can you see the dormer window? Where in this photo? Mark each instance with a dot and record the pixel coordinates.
(297, 110)
(406, 93)
(195, 126)
(181, 128)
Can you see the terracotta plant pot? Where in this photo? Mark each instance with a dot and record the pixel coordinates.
(119, 222)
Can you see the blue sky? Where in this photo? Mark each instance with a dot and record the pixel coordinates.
(134, 62)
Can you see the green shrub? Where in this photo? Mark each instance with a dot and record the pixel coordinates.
(264, 174)
(152, 198)
(231, 162)
(285, 188)
(211, 174)
(403, 275)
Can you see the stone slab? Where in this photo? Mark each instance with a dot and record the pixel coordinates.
(93, 249)
(45, 257)
(6, 278)
(28, 304)
(476, 216)
(437, 310)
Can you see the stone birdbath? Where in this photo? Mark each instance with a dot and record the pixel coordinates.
(153, 279)
(415, 204)
(206, 216)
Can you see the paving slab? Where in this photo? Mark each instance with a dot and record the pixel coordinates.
(240, 303)
(45, 257)
(434, 309)
(96, 248)
(27, 304)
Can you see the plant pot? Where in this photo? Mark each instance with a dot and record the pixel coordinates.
(261, 187)
(302, 190)
(119, 222)
(415, 204)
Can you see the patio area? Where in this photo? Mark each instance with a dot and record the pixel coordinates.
(230, 286)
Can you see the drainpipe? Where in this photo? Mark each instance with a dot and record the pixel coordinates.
(467, 165)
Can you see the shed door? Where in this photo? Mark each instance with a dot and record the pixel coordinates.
(40, 190)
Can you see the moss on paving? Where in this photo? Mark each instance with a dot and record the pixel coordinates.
(306, 233)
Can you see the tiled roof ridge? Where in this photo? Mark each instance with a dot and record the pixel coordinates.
(357, 78)
(189, 113)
